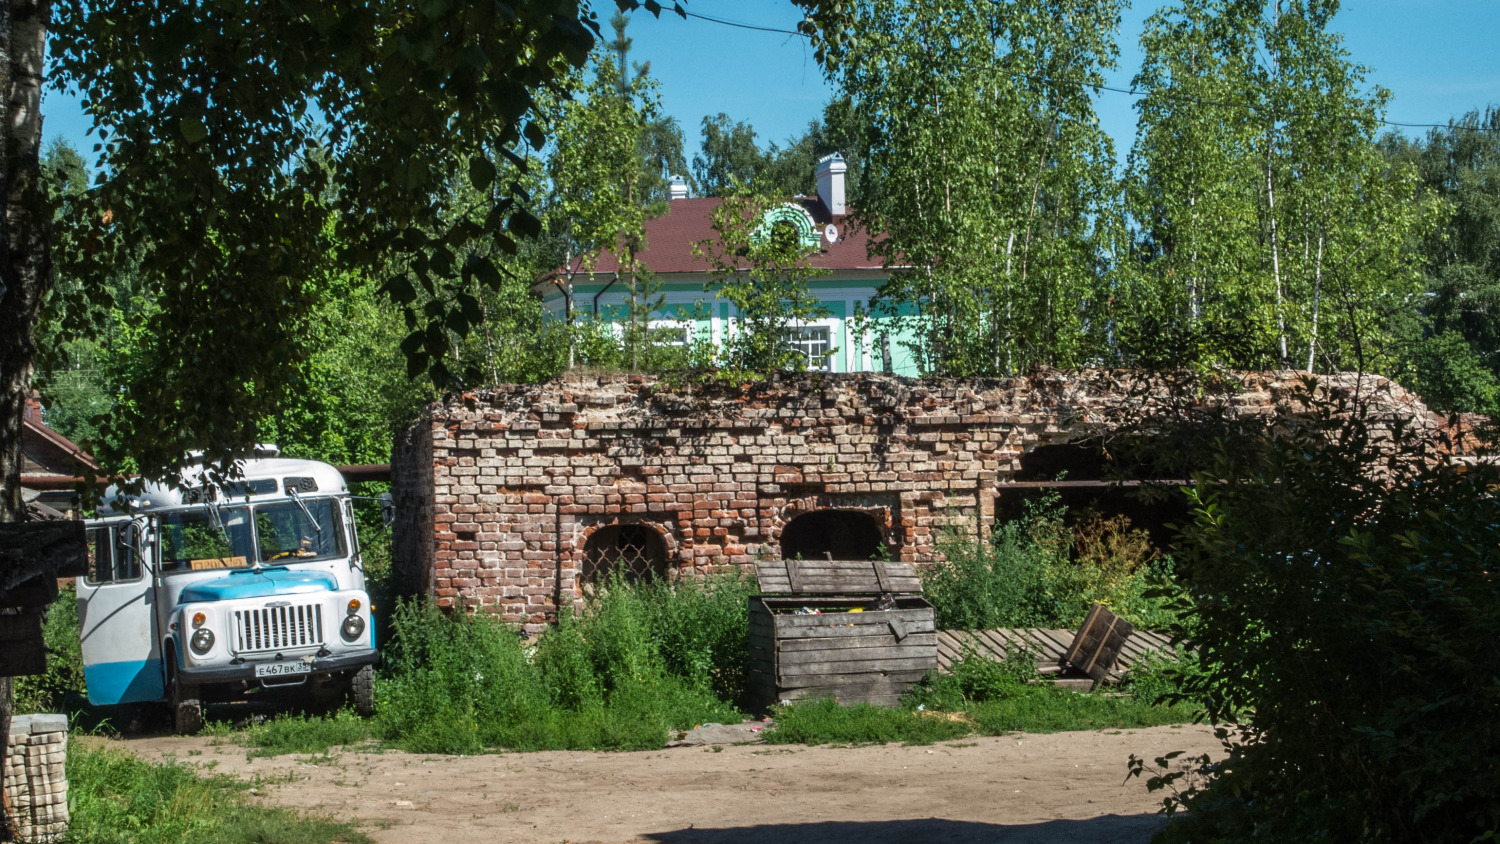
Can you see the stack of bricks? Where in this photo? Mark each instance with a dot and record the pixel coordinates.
(499, 491)
(36, 781)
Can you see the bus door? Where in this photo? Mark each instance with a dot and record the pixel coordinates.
(122, 660)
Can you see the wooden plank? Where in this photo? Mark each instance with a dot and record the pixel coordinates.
(861, 666)
(804, 681)
(878, 618)
(808, 586)
(849, 632)
(856, 567)
(850, 576)
(915, 640)
(1090, 623)
(856, 655)
(1096, 647)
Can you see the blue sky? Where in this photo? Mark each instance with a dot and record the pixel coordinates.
(1438, 58)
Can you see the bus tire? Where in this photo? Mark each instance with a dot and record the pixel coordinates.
(362, 691)
(187, 708)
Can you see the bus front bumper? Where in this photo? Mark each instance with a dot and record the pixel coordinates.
(246, 670)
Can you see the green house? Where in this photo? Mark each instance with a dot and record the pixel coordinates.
(848, 338)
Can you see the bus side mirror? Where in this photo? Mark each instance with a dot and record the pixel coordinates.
(387, 509)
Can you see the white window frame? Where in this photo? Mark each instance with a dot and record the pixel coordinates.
(832, 327)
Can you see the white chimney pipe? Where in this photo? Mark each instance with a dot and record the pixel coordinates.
(830, 173)
(677, 188)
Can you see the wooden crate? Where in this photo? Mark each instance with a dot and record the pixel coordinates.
(872, 656)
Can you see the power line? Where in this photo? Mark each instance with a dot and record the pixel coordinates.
(743, 25)
(1101, 87)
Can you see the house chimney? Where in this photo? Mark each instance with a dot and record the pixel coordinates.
(677, 188)
(33, 412)
(830, 173)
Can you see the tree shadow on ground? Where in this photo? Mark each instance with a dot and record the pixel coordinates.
(1105, 829)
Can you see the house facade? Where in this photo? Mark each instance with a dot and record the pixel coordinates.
(848, 337)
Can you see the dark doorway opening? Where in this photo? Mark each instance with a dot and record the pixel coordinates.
(637, 552)
(844, 534)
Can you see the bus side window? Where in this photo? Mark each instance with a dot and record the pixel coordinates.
(101, 556)
(127, 561)
(112, 556)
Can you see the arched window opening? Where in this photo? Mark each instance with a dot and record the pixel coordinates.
(635, 551)
(844, 534)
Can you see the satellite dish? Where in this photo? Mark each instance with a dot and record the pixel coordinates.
(832, 233)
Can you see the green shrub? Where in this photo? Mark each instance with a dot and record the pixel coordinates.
(1042, 572)
(116, 798)
(640, 661)
(1344, 595)
(61, 688)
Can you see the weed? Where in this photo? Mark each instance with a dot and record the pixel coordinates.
(641, 660)
(824, 721)
(301, 734)
(114, 796)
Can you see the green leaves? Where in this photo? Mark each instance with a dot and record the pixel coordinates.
(193, 130)
(994, 189)
(481, 173)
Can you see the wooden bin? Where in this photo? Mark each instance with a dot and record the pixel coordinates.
(871, 656)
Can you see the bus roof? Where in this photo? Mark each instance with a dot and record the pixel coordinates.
(269, 478)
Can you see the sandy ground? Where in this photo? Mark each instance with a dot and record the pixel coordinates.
(1063, 787)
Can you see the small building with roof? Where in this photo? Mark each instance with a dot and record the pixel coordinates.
(50, 465)
(848, 337)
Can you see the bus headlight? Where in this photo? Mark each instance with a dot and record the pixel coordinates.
(202, 641)
(352, 628)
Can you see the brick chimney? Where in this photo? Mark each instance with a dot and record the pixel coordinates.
(830, 173)
(34, 408)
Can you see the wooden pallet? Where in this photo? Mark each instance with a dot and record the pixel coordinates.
(1050, 646)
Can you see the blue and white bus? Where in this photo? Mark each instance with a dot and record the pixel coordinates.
(204, 592)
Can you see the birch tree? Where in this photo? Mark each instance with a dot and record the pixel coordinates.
(1272, 232)
(987, 174)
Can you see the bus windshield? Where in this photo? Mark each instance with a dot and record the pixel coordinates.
(204, 538)
(285, 533)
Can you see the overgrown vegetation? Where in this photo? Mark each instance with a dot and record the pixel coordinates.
(641, 660)
(60, 688)
(1042, 572)
(1343, 582)
(116, 798)
(980, 696)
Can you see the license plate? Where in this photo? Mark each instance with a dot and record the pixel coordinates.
(282, 669)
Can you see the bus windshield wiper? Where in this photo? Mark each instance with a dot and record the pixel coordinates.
(306, 512)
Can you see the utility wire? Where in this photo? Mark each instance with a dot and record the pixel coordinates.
(1101, 87)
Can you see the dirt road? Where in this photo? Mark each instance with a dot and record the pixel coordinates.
(1059, 788)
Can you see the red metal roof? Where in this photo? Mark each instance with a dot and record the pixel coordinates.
(670, 239)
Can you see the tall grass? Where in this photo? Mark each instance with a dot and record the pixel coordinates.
(980, 696)
(1041, 571)
(60, 688)
(641, 660)
(116, 798)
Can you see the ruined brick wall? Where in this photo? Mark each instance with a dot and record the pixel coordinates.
(499, 494)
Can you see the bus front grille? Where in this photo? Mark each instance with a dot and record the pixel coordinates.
(278, 628)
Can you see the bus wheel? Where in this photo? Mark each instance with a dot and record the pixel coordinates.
(362, 691)
(187, 708)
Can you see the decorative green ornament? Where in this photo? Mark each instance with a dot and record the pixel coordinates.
(796, 216)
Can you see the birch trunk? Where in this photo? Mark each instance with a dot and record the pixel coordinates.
(25, 264)
(1312, 342)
